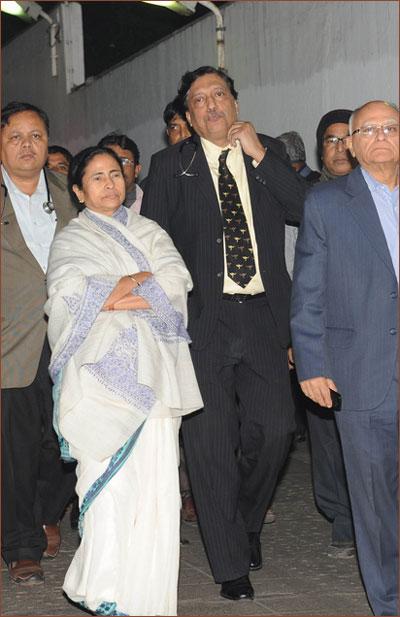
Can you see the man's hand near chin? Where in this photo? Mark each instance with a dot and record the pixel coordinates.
(245, 133)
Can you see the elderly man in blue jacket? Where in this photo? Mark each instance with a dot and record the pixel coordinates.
(344, 329)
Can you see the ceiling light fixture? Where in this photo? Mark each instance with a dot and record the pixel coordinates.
(33, 11)
(183, 8)
(13, 8)
(188, 8)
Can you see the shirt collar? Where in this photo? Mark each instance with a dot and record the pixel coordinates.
(213, 152)
(12, 188)
(373, 183)
(304, 171)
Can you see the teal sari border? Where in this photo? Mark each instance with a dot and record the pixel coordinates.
(63, 443)
(117, 461)
(105, 608)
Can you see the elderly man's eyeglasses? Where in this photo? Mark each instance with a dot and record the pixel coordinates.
(126, 161)
(390, 130)
(333, 140)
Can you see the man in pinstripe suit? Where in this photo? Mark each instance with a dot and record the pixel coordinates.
(238, 314)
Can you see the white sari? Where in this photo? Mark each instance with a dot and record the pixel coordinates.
(122, 381)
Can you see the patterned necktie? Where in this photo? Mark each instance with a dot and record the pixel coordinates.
(238, 249)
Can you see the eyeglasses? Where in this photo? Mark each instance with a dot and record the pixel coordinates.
(62, 167)
(126, 161)
(332, 140)
(390, 130)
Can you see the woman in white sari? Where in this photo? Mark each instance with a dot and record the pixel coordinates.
(123, 378)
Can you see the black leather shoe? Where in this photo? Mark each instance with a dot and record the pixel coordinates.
(255, 551)
(238, 589)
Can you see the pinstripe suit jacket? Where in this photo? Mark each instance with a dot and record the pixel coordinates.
(344, 300)
(187, 207)
(23, 291)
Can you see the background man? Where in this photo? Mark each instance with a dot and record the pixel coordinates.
(332, 130)
(177, 129)
(224, 198)
(175, 119)
(344, 327)
(297, 154)
(129, 154)
(34, 206)
(58, 159)
(329, 478)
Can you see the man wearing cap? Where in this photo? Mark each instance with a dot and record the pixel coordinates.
(329, 478)
(335, 159)
(297, 154)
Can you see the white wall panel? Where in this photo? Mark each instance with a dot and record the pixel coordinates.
(291, 61)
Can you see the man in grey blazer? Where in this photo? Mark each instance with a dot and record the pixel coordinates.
(34, 206)
(344, 330)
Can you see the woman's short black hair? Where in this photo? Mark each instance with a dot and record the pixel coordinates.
(16, 107)
(78, 166)
(190, 76)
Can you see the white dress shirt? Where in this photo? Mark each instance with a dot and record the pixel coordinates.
(235, 163)
(36, 225)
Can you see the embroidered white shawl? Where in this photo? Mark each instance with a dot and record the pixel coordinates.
(112, 369)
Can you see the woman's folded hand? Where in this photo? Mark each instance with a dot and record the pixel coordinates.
(122, 291)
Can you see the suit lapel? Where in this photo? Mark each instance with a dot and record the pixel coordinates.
(248, 161)
(58, 197)
(362, 207)
(202, 180)
(12, 235)
(12, 232)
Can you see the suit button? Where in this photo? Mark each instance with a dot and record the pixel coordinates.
(219, 240)
(220, 274)
(258, 178)
(393, 294)
(393, 331)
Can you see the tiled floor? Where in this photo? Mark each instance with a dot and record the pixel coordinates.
(298, 578)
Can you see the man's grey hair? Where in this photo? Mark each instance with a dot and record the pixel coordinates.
(294, 146)
(355, 112)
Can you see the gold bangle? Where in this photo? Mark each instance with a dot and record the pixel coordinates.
(135, 280)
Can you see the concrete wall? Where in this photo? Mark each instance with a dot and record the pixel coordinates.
(291, 61)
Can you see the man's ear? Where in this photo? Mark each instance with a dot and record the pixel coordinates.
(188, 118)
(349, 145)
(138, 169)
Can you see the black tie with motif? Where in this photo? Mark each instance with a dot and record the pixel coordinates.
(238, 249)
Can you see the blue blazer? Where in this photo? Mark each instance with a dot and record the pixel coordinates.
(344, 297)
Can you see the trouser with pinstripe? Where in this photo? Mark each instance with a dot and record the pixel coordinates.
(237, 445)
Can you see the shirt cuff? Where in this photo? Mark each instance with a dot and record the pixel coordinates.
(254, 162)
